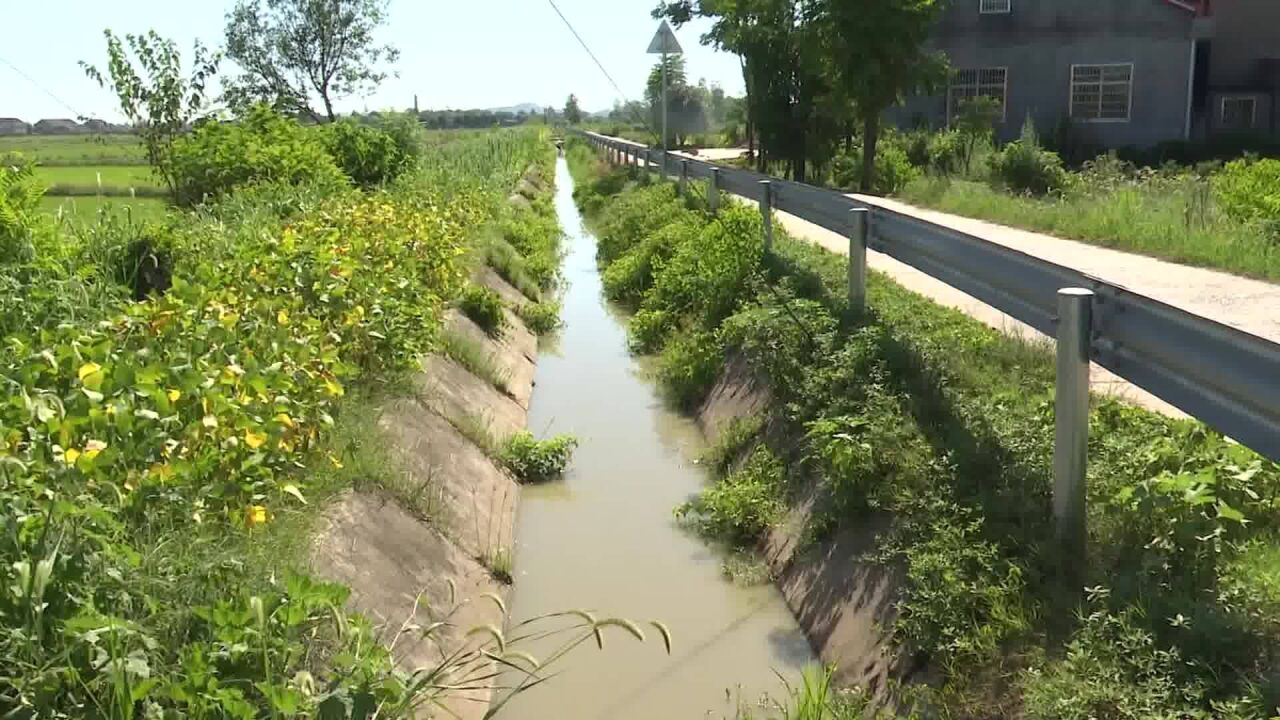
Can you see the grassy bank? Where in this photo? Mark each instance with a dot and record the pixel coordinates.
(186, 396)
(1172, 218)
(923, 417)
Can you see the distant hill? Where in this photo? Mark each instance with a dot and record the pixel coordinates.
(521, 108)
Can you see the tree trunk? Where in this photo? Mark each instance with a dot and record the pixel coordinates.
(870, 138)
(328, 106)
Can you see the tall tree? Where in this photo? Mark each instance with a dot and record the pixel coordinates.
(157, 97)
(771, 37)
(295, 52)
(876, 49)
(686, 111)
(572, 113)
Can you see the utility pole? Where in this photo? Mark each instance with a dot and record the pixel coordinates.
(664, 102)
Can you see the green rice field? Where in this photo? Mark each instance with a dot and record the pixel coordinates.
(86, 208)
(77, 149)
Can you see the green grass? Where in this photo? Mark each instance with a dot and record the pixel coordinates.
(87, 207)
(1172, 221)
(77, 149)
(90, 179)
(471, 355)
(919, 414)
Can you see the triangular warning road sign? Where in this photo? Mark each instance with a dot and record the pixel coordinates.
(664, 42)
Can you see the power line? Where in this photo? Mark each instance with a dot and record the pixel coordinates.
(43, 89)
(583, 43)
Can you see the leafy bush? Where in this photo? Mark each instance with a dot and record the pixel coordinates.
(688, 367)
(628, 277)
(739, 508)
(893, 170)
(1025, 167)
(1114, 669)
(484, 307)
(536, 237)
(947, 152)
(534, 461)
(367, 155)
(540, 317)
(962, 599)
(20, 194)
(705, 278)
(1249, 191)
(262, 147)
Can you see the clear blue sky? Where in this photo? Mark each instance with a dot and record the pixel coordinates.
(460, 53)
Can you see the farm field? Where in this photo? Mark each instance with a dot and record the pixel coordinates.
(77, 149)
(111, 177)
(86, 208)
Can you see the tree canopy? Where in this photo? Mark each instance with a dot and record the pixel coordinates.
(572, 112)
(815, 68)
(297, 52)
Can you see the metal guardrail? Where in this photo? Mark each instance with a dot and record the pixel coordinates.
(1227, 378)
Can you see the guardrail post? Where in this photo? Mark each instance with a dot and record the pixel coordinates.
(1071, 436)
(713, 191)
(859, 225)
(684, 178)
(766, 213)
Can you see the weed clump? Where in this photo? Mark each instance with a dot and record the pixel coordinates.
(540, 317)
(484, 307)
(535, 461)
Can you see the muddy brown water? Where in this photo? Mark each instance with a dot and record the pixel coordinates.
(605, 539)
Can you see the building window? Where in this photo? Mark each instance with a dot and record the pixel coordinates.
(977, 82)
(995, 7)
(1239, 113)
(1101, 93)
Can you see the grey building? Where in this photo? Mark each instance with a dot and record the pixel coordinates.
(1113, 72)
(14, 126)
(56, 126)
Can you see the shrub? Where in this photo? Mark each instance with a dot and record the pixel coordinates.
(367, 155)
(263, 147)
(1025, 167)
(739, 508)
(893, 170)
(688, 367)
(540, 317)
(628, 277)
(20, 194)
(484, 307)
(916, 146)
(947, 152)
(1249, 191)
(534, 461)
(707, 274)
(1113, 669)
(962, 599)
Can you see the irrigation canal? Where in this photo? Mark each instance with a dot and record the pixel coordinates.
(605, 540)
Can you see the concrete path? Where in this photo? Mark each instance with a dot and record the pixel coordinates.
(1249, 305)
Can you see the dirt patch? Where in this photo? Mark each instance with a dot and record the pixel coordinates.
(844, 603)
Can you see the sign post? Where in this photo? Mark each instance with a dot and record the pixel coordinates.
(664, 43)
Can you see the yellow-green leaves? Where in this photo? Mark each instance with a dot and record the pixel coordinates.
(91, 376)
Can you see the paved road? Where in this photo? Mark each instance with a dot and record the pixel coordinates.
(1249, 305)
